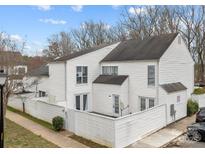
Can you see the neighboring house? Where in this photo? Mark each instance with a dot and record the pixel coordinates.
(11, 63)
(37, 81)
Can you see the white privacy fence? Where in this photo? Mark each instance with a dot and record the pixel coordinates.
(39, 109)
(112, 132)
(200, 99)
(116, 132)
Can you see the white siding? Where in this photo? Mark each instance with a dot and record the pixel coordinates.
(57, 81)
(137, 85)
(103, 100)
(171, 98)
(176, 65)
(44, 110)
(134, 127)
(117, 132)
(15, 103)
(97, 128)
(38, 109)
(91, 60)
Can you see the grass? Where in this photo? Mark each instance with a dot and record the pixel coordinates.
(19, 137)
(199, 91)
(39, 121)
(87, 142)
(84, 141)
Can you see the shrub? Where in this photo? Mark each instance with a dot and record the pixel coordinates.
(199, 91)
(57, 123)
(192, 107)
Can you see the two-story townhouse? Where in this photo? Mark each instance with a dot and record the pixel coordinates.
(140, 74)
(117, 94)
(125, 77)
(71, 76)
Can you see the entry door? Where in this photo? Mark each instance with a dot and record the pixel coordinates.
(116, 105)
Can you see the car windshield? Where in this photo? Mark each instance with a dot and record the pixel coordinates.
(202, 112)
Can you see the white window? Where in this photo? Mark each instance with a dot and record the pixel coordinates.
(146, 103)
(143, 104)
(116, 99)
(21, 70)
(81, 102)
(110, 70)
(81, 74)
(151, 75)
(151, 102)
(77, 102)
(42, 93)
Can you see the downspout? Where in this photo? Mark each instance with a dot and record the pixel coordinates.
(65, 82)
(158, 82)
(66, 104)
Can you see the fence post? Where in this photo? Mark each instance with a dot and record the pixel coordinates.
(166, 120)
(115, 136)
(23, 107)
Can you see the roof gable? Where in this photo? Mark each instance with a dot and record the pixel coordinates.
(81, 52)
(150, 48)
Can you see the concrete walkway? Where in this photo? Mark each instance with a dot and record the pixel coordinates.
(162, 137)
(60, 139)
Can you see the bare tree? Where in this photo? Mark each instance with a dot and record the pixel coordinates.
(150, 20)
(9, 44)
(92, 34)
(9, 47)
(117, 33)
(59, 45)
(189, 21)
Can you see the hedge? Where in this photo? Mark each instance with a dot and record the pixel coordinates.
(199, 91)
(57, 123)
(192, 107)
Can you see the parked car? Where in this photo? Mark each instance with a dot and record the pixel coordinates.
(199, 84)
(196, 131)
(200, 116)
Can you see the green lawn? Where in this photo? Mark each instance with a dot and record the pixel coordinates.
(19, 137)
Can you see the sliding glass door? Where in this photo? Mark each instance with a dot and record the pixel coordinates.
(81, 102)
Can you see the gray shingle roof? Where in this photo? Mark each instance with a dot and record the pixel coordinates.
(41, 71)
(111, 79)
(81, 52)
(173, 87)
(147, 49)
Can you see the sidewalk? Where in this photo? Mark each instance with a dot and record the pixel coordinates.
(162, 137)
(60, 139)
